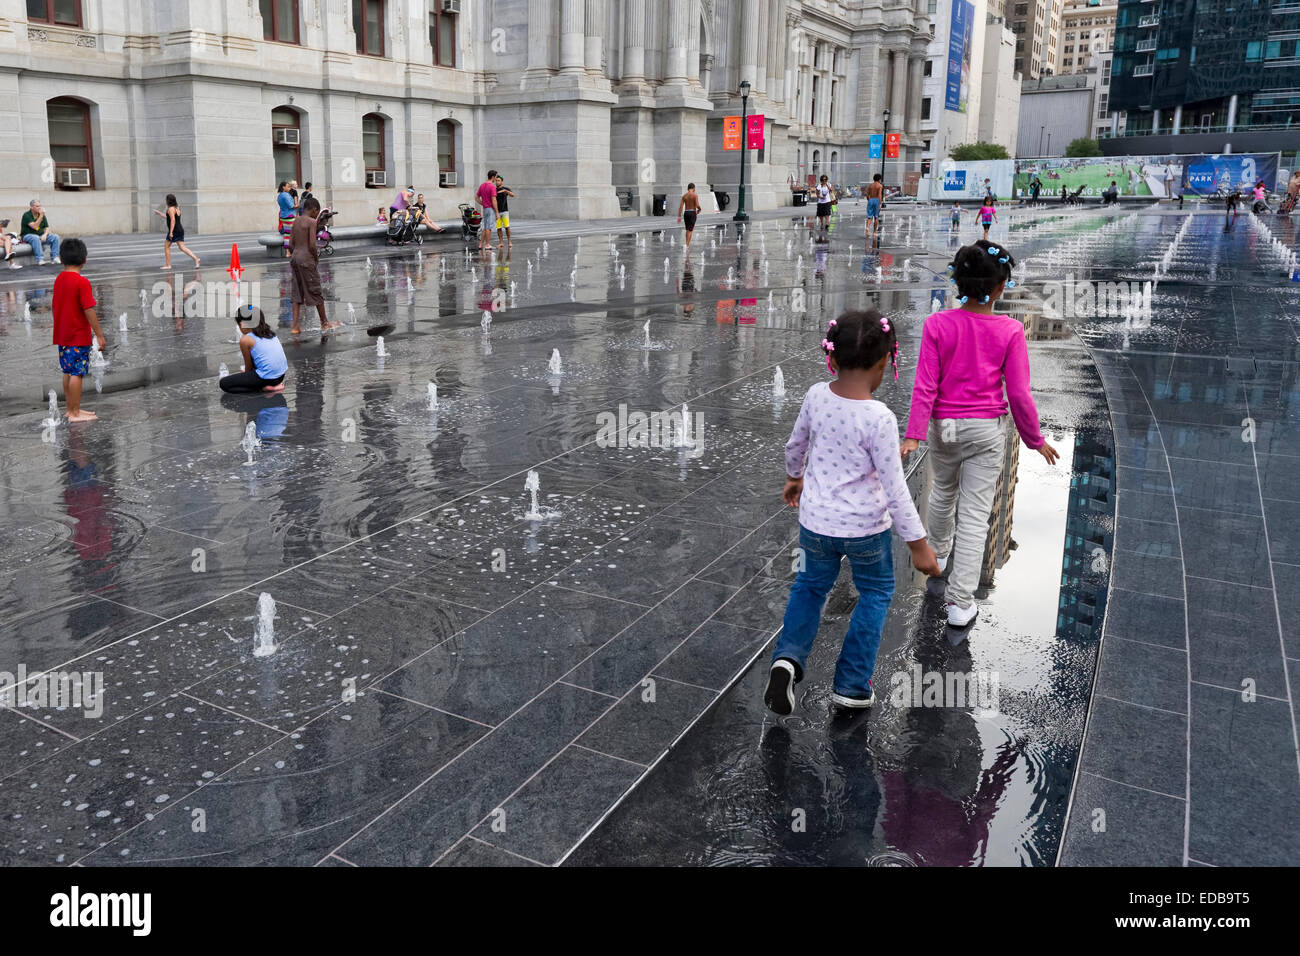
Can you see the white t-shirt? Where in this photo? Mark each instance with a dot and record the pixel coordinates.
(823, 193)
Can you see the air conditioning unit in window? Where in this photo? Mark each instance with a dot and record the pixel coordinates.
(74, 177)
(288, 137)
(451, 6)
(447, 179)
(376, 177)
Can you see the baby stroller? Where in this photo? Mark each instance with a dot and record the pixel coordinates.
(470, 221)
(1074, 199)
(324, 238)
(402, 229)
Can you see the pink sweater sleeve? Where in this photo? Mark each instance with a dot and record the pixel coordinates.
(1015, 371)
(926, 387)
(889, 467)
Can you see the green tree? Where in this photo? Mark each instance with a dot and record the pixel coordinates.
(1083, 147)
(972, 152)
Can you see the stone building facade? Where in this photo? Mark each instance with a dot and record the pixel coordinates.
(108, 105)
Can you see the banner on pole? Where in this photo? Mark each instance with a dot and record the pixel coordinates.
(891, 146)
(731, 132)
(754, 131)
(876, 146)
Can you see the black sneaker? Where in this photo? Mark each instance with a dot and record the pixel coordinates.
(855, 703)
(779, 696)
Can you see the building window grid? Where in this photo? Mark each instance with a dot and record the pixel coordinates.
(368, 24)
(442, 35)
(280, 21)
(62, 13)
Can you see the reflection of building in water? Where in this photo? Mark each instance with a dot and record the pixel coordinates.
(1089, 534)
(1028, 308)
(1000, 544)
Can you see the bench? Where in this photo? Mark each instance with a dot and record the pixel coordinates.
(274, 242)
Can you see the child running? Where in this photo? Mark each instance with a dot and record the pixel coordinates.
(846, 479)
(988, 215)
(956, 218)
(74, 321)
(967, 354)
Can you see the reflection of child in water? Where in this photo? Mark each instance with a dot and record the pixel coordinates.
(819, 256)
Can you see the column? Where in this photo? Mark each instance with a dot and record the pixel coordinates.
(898, 92)
(594, 30)
(759, 78)
(1232, 113)
(634, 41)
(676, 39)
(748, 41)
(693, 42)
(1155, 121)
(573, 36)
(539, 34)
(1178, 119)
(775, 39)
(916, 71)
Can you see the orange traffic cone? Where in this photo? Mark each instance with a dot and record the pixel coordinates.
(235, 270)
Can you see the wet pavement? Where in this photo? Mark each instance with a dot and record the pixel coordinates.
(459, 683)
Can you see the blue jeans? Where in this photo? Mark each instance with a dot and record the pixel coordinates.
(873, 576)
(35, 242)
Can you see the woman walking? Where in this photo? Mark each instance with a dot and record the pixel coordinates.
(175, 232)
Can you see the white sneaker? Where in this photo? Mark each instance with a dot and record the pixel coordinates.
(57, 261)
(962, 616)
(14, 265)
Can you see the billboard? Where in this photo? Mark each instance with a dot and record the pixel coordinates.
(959, 53)
(1207, 175)
(1157, 177)
(966, 180)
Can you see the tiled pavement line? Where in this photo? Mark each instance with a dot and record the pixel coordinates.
(1277, 610)
(614, 701)
(718, 695)
(1103, 642)
(325, 617)
(408, 519)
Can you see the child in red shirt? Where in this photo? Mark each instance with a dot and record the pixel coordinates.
(74, 321)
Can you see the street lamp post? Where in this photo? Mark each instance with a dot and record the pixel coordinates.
(884, 149)
(1040, 139)
(741, 215)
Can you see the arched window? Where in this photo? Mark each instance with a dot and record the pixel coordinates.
(817, 162)
(372, 149)
(835, 158)
(71, 146)
(447, 153)
(280, 20)
(286, 143)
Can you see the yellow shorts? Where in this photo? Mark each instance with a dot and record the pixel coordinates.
(503, 221)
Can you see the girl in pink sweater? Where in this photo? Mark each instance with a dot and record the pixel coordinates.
(967, 355)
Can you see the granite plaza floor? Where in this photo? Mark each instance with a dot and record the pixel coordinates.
(456, 683)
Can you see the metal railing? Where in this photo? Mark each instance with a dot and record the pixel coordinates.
(1145, 69)
(1217, 130)
(1150, 20)
(1144, 46)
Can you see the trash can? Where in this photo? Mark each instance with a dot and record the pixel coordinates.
(660, 204)
(801, 197)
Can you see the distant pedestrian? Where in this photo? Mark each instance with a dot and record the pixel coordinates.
(688, 211)
(875, 200)
(487, 199)
(303, 256)
(956, 217)
(824, 196)
(287, 208)
(175, 232)
(75, 321)
(306, 194)
(504, 195)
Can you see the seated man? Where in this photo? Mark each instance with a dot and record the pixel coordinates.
(1111, 194)
(35, 231)
(422, 214)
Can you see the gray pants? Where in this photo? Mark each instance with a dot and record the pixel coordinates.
(966, 457)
